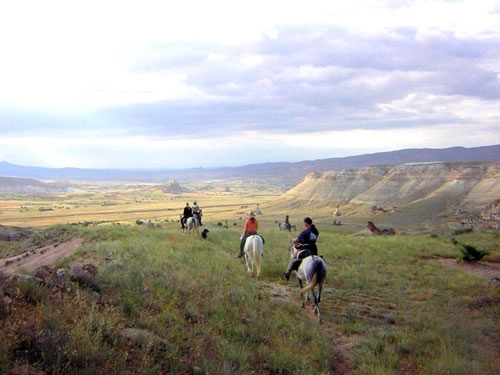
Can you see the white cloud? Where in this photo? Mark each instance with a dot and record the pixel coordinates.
(363, 75)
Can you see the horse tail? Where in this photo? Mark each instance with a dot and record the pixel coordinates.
(257, 253)
(319, 274)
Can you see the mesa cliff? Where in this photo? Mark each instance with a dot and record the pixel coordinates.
(435, 188)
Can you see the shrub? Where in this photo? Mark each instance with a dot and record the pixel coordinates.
(470, 253)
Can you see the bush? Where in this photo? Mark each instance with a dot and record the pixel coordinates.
(470, 253)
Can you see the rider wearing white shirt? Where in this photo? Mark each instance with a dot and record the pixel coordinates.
(197, 211)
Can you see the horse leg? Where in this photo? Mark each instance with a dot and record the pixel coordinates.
(257, 254)
(302, 297)
(195, 224)
(320, 287)
(248, 265)
(316, 303)
(317, 309)
(248, 260)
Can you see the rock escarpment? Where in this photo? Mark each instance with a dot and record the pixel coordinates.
(438, 187)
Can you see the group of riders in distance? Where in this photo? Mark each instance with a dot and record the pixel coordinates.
(305, 242)
(188, 212)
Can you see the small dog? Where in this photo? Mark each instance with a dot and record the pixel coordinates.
(204, 233)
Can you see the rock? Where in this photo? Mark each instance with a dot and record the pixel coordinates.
(373, 228)
(83, 278)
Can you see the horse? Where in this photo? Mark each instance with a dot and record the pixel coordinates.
(283, 226)
(192, 224)
(313, 271)
(254, 248)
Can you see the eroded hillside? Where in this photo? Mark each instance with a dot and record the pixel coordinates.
(437, 188)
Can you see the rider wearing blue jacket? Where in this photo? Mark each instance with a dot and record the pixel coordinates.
(306, 240)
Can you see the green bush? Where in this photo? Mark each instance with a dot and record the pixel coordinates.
(470, 253)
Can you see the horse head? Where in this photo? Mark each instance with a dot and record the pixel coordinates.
(294, 252)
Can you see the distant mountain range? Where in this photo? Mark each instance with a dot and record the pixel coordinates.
(283, 174)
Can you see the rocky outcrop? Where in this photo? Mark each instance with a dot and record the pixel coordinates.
(337, 186)
(173, 187)
(437, 186)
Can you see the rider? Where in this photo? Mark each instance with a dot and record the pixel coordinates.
(188, 212)
(197, 211)
(305, 240)
(287, 223)
(251, 226)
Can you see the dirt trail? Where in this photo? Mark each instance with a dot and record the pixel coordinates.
(42, 256)
(485, 270)
(289, 293)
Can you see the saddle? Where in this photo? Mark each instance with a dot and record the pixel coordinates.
(303, 251)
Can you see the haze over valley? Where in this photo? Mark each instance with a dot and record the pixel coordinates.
(407, 187)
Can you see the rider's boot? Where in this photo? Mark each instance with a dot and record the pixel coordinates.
(286, 275)
(294, 266)
(242, 244)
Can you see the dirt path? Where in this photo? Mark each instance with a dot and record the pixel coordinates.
(289, 293)
(42, 256)
(485, 270)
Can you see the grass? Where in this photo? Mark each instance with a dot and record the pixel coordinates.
(172, 303)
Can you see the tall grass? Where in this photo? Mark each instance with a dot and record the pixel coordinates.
(173, 303)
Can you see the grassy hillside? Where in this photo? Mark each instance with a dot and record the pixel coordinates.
(165, 302)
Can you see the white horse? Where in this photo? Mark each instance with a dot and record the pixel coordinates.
(192, 224)
(254, 248)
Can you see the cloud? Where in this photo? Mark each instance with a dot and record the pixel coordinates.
(119, 84)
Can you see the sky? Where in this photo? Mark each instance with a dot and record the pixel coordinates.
(188, 84)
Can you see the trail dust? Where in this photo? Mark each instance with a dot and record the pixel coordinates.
(47, 255)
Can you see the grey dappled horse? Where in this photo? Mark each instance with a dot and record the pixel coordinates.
(283, 226)
(313, 271)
